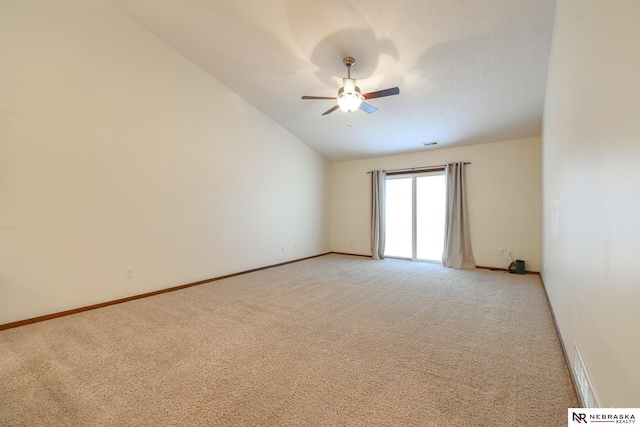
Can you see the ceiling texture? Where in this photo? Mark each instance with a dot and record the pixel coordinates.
(469, 71)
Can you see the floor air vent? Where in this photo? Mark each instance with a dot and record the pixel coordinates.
(584, 382)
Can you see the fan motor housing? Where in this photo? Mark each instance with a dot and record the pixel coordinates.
(342, 94)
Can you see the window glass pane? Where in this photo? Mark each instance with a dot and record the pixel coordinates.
(398, 241)
(430, 210)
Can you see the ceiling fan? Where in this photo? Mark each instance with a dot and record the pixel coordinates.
(349, 96)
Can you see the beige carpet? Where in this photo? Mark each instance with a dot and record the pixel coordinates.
(335, 340)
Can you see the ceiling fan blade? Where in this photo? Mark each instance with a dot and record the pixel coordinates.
(368, 108)
(331, 110)
(317, 97)
(381, 93)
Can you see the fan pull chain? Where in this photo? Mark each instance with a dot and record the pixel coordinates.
(349, 122)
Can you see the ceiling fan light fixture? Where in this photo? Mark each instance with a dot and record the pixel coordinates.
(349, 96)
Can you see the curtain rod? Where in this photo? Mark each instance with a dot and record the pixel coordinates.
(418, 168)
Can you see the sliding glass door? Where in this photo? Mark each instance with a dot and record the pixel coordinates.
(415, 209)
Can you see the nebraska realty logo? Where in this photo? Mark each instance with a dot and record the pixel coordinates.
(580, 416)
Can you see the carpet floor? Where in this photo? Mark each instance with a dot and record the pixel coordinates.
(329, 341)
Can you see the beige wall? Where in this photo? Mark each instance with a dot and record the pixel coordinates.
(504, 197)
(591, 168)
(117, 152)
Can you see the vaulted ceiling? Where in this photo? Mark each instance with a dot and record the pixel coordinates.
(469, 71)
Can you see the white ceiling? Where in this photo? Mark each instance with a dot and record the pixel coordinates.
(469, 71)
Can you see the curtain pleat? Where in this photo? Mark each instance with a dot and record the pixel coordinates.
(457, 241)
(378, 183)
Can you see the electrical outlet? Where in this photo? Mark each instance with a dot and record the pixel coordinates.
(128, 273)
(501, 252)
(510, 252)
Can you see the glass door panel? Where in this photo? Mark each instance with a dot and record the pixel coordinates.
(399, 212)
(430, 211)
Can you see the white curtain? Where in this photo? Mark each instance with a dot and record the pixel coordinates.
(457, 241)
(378, 185)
